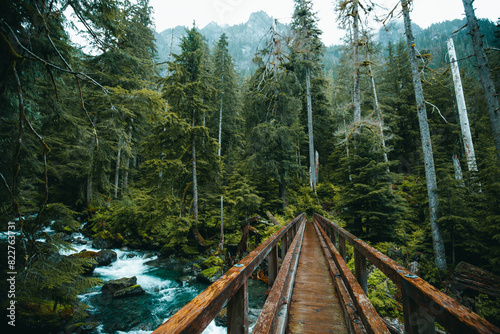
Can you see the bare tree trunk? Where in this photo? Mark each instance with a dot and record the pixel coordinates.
(117, 169)
(357, 89)
(379, 117)
(462, 109)
(89, 189)
(457, 168)
(312, 178)
(195, 182)
(430, 171)
(221, 244)
(484, 73)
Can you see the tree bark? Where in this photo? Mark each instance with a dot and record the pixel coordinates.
(195, 182)
(379, 117)
(484, 74)
(312, 174)
(430, 171)
(357, 89)
(117, 168)
(462, 109)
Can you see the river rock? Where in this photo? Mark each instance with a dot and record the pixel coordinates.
(101, 243)
(210, 275)
(106, 257)
(134, 290)
(85, 254)
(113, 286)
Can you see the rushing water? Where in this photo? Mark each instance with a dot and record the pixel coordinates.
(165, 293)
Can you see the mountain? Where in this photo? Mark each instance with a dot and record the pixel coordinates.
(244, 39)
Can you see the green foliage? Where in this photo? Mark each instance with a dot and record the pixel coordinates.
(489, 308)
(382, 294)
(63, 216)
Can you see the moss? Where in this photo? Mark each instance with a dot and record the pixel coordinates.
(211, 272)
(212, 262)
(87, 255)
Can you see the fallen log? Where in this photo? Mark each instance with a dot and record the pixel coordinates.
(468, 276)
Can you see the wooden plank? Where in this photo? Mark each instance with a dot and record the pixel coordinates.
(199, 312)
(360, 315)
(447, 312)
(306, 297)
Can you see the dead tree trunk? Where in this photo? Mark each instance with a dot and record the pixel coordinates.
(357, 88)
(462, 108)
(430, 171)
(484, 73)
(195, 182)
(117, 169)
(312, 168)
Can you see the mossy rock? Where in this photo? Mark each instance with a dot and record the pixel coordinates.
(210, 275)
(131, 291)
(212, 261)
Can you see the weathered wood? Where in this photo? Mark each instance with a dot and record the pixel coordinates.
(275, 310)
(342, 248)
(272, 266)
(417, 320)
(315, 305)
(271, 217)
(450, 314)
(199, 312)
(475, 278)
(360, 270)
(357, 304)
(237, 311)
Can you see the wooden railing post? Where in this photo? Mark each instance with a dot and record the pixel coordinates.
(332, 236)
(361, 270)
(417, 320)
(284, 246)
(342, 249)
(272, 266)
(237, 311)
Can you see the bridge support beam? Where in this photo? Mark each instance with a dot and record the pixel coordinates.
(272, 266)
(417, 320)
(237, 311)
(342, 249)
(360, 270)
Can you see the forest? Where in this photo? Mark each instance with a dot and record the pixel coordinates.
(177, 152)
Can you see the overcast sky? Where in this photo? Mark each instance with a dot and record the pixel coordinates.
(168, 14)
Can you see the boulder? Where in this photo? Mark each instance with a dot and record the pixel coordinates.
(101, 243)
(85, 254)
(106, 257)
(210, 275)
(134, 290)
(118, 284)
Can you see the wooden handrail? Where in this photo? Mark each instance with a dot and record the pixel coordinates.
(231, 288)
(422, 303)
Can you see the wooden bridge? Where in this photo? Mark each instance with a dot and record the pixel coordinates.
(313, 291)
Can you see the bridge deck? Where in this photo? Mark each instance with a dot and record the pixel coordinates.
(315, 306)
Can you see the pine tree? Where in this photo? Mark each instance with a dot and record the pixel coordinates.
(271, 110)
(307, 51)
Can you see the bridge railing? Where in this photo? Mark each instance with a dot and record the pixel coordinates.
(423, 304)
(232, 288)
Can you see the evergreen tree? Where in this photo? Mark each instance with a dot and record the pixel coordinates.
(271, 110)
(307, 51)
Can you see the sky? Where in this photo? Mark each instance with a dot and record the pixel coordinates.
(170, 13)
